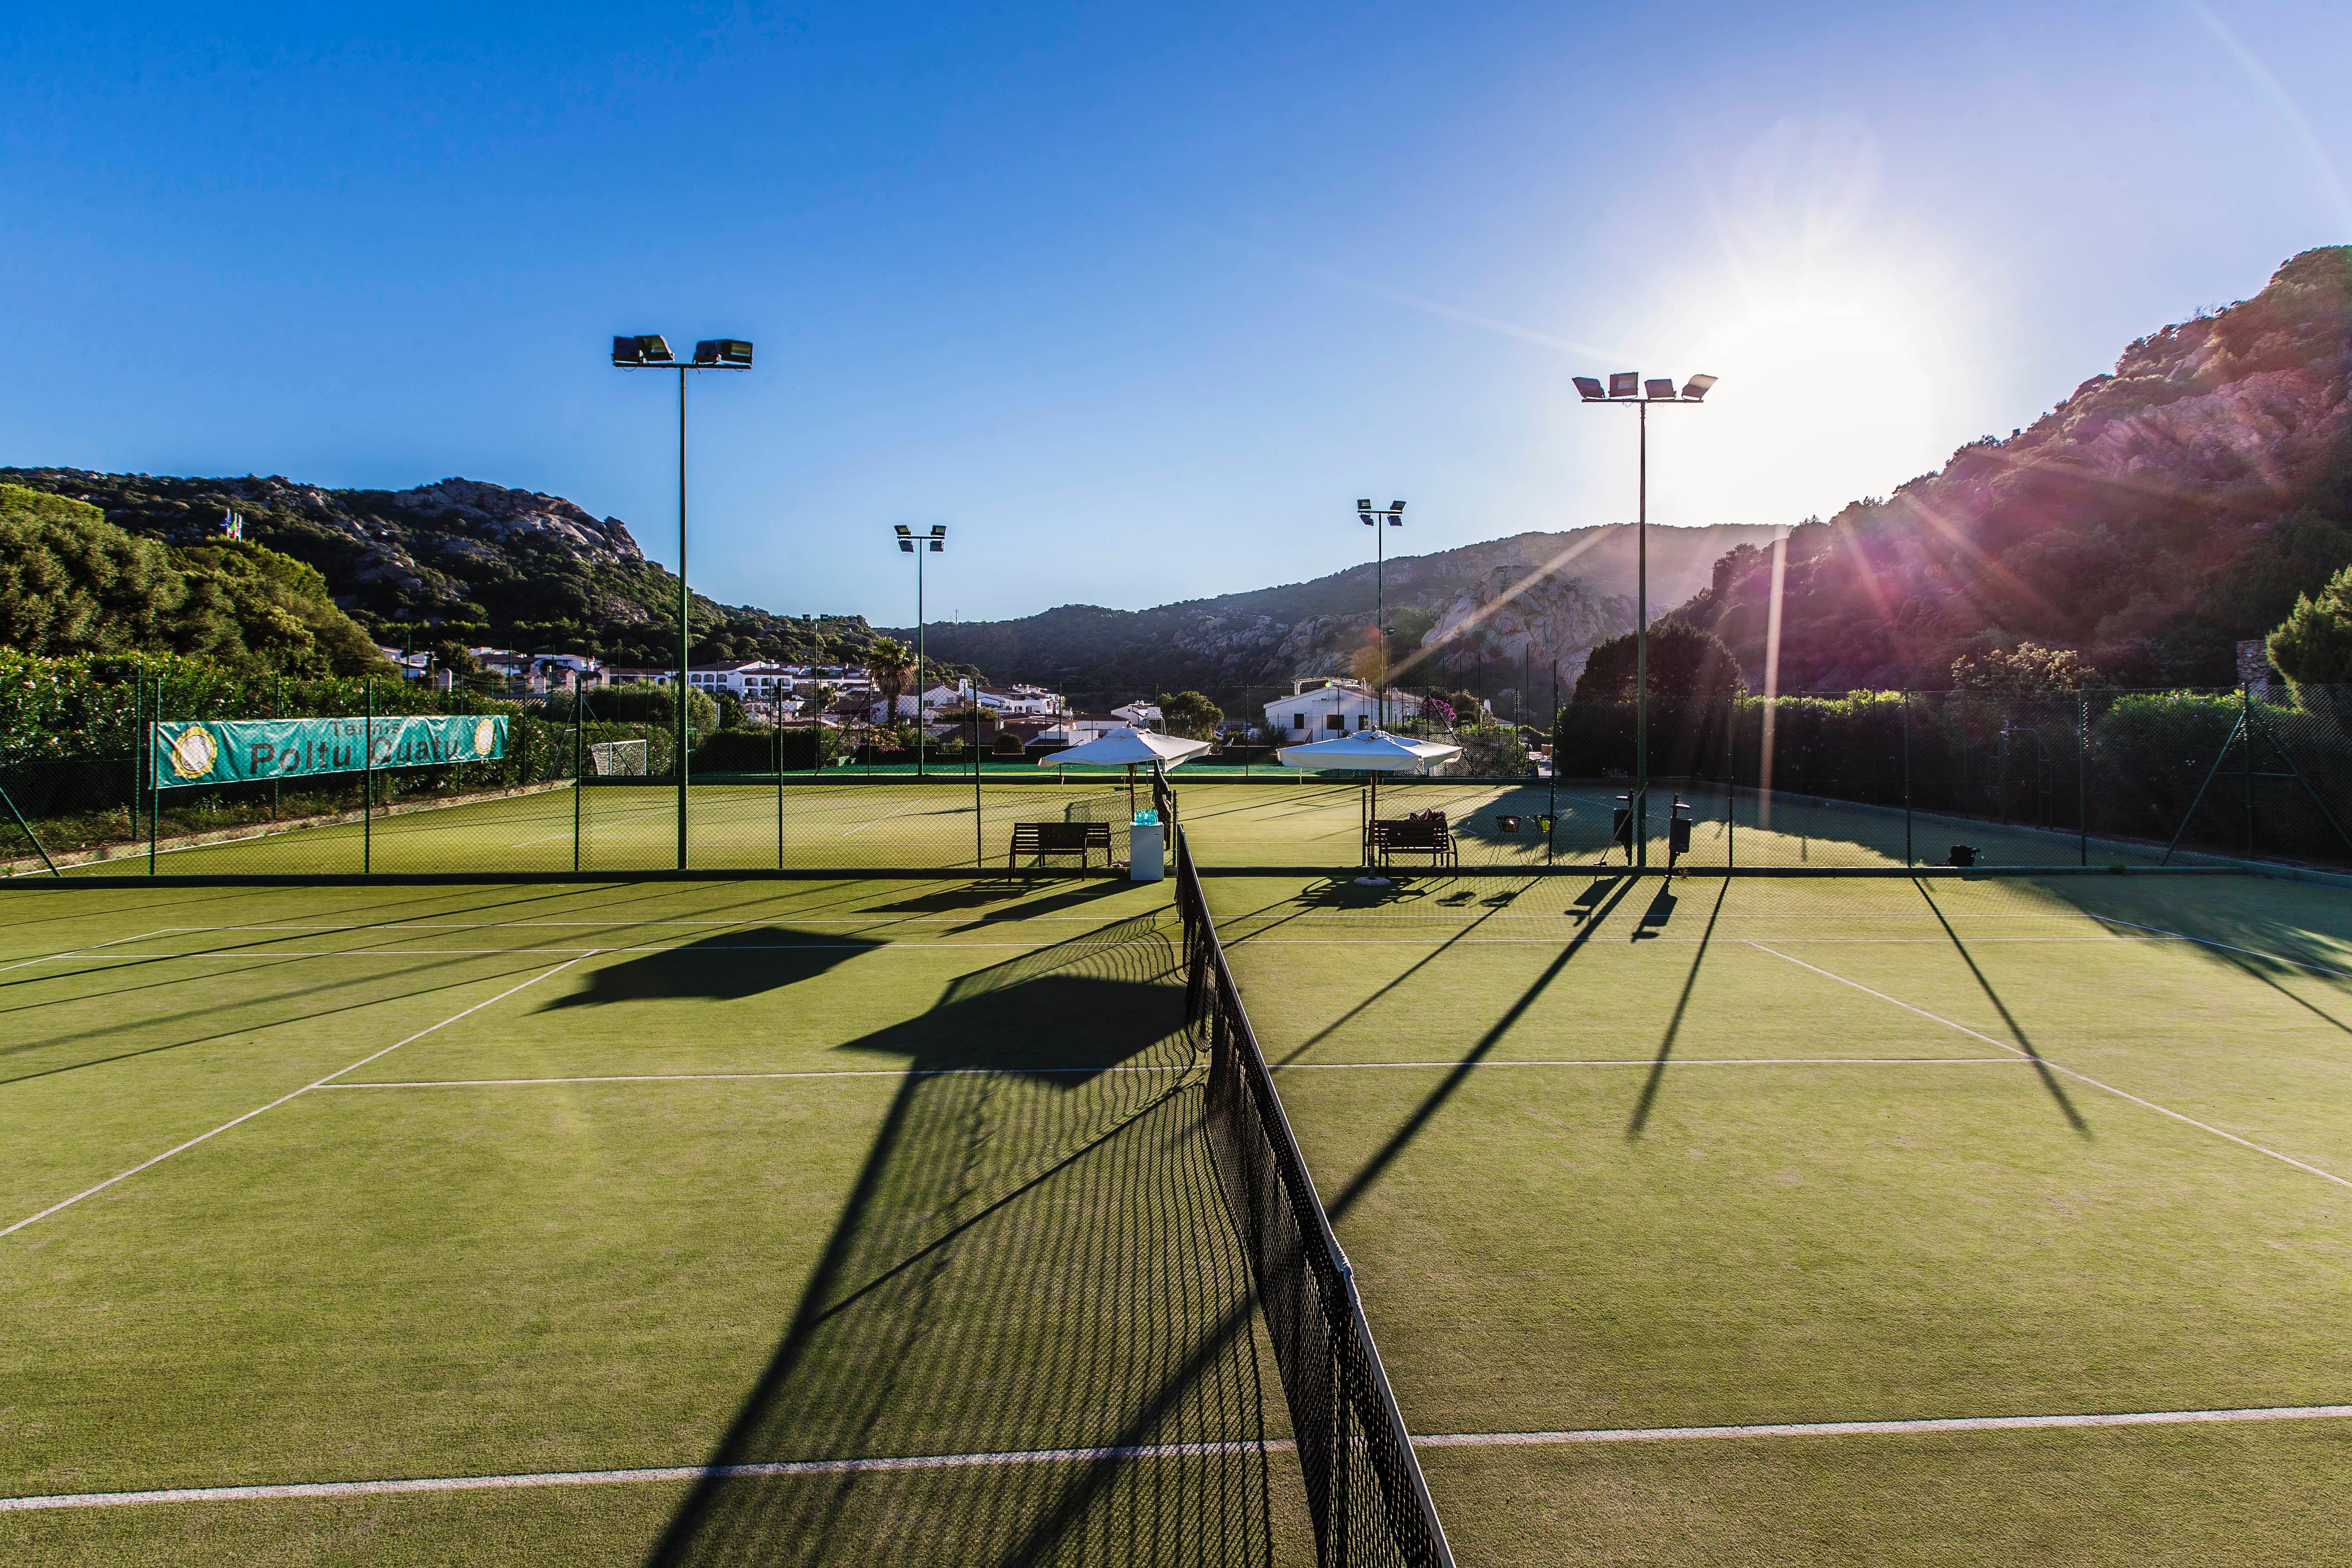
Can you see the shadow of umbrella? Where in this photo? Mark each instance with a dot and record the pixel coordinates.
(1034, 1261)
(725, 967)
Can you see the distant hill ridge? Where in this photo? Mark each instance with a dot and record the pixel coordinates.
(1472, 616)
(2153, 519)
(463, 559)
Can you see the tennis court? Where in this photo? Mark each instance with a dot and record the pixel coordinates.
(437, 1226)
(1650, 1187)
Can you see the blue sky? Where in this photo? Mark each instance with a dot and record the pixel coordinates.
(1136, 299)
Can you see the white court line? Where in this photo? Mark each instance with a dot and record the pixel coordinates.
(77, 952)
(1663, 940)
(1682, 1062)
(886, 816)
(259, 955)
(2053, 1067)
(725, 1077)
(668, 1473)
(1157, 1451)
(2225, 947)
(1871, 1428)
(282, 1098)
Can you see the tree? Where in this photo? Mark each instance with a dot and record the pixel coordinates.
(890, 665)
(455, 657)
(71, 582)
(1684, 661)
(2027, 668)
(731, 715)
(1191, 715)
(2312, 647)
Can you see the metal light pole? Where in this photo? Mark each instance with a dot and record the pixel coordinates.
(1627, 387)
(912, 543)
(651, 351)
(1372, 519)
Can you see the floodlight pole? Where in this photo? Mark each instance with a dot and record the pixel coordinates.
(653, 353)
(1391, 516)
(1590, 391)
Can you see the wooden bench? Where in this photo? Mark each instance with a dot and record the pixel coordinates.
(1039, 839)
(1387, 836)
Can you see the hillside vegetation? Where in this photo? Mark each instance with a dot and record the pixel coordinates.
(462, 560)
(2151, 522)
(72, 583)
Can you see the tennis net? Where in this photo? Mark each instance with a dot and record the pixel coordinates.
(1364, 1487)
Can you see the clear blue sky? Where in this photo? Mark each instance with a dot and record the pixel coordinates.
(1136, 299)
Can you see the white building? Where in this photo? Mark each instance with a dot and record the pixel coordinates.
(1011, 700)
(1320, 707)
(1145, 715)
(752, 679)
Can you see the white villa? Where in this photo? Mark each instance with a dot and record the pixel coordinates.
(1322, 706)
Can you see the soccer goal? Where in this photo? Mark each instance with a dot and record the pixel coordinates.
(617, 758)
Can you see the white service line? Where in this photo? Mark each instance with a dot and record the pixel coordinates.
(1681, 1062)
(2225, 947)
(261, 955)
(2053, 1067)
(723, 1076)
(282, 1098)
(77, 952)
(667, 1473)
(1156, 1451)
(1871, 1428)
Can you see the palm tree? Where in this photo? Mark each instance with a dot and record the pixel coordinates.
(890, 665)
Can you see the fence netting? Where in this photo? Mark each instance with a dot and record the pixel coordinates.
(1364, 1487)
(1871, 779)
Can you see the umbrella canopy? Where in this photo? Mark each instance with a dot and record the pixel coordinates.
(1127, 748)
(1369, 751)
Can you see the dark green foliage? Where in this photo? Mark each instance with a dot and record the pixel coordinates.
(2314, 645)
(638, 702)
(72, 583)
(2028, 667)
(1684, 662)
(1190, 714)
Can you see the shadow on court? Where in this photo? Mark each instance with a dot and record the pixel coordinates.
(1035, 1258)
(725, 967)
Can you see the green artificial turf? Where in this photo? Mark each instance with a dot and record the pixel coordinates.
(1752, 1192)
(739, 1228)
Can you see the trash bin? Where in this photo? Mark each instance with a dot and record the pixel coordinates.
(1146, 848)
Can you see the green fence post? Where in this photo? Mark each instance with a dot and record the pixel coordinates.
(2246, 729)
(777, 725)
(130, 824)
(1908, 858)
(154, 794)
(277, 711)
(367, 780)
(1730, 783)
(578, 761)
(2083, 774)
(979, 844)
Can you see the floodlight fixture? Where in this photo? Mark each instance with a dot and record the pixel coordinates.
(1625, 383)
(906, 546)
(647, 348)
(1365, 505)
(1590, 389)
(1659, 387)
(1695, 388)
(725, 354)
(903, 529)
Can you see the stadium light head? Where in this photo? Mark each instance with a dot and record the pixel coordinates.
(1695, 388)
(730, 354)
(906, 546)
(903, 530)
(1589, 388)
(1396, 506)
(1625, 383)
(1659, 388)
(939, 545)
(939, 530)
(1365, 505)
(650, 348)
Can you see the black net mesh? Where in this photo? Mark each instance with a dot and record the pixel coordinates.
(1364, 1487)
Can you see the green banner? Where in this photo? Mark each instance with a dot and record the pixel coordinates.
(250, 748)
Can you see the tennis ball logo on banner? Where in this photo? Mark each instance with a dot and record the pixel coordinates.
(193, 752)
(486, 737)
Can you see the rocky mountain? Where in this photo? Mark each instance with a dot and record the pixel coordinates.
(461, 560)
(2151, 522)
(1463, 617)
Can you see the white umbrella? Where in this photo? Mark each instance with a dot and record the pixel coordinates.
(1129, 749)
(1375, 752)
